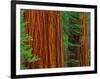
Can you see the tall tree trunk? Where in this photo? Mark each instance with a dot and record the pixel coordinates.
(45, 27)
(84, 50)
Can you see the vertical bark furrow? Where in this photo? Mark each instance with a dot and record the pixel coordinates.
(46, 31)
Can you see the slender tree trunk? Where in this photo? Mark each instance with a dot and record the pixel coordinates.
(84, 50)
(45, 27)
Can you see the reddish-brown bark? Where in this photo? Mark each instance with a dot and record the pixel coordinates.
(45, 27)
(83, 52)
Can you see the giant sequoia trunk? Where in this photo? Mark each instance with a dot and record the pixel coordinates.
(84, 50)
(45, 27)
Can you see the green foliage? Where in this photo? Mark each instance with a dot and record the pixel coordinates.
(73, 45)
(26, 50)
(72, 62)
(71, 29)
(25, 38)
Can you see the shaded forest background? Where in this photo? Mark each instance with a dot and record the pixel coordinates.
(51, 39)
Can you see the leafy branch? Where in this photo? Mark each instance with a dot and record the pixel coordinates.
(26, 51)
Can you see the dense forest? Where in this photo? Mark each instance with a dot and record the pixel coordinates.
(51, 39)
